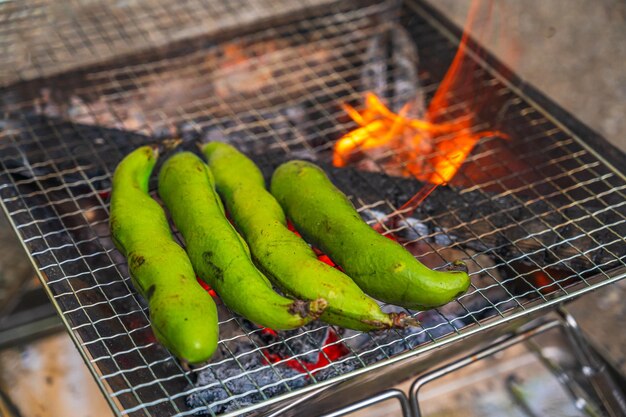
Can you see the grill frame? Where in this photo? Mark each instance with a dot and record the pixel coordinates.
(567, 124)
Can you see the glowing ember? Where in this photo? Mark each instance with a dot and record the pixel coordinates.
(331, 350)
(206, 287)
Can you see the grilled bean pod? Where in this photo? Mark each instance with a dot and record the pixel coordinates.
(183, 316)
(382, 267)
(285, 258)
(218, 253)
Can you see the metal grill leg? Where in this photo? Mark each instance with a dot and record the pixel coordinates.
(593, 368)
(383, 396)
(468, 360)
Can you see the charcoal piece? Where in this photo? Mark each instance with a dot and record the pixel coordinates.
(337, 369)
(63, 152)
(374, 70)
(407, 87)
(188, 132)
(300, 342)
(259, 377)
(390, 70)
(254, 133)
(299, 119)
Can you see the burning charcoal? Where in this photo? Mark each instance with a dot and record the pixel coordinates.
(407, 87)
(214, 388)
(374, 72)
(74, 158)
(297, 342)
(241, 74)
(395, 79)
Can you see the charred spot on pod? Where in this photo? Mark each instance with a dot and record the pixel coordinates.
(217, 272)
(397, 267)
(377, 324)
(136, 261)
(313, 308)
(299, 307)
(327, 225)
(458, 266)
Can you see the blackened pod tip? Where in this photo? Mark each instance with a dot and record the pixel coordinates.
(152, 151)
(171, 144)
(458, 266)
(403, 320)
(396, 321)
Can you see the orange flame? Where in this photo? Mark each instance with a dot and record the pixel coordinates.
(428, 149)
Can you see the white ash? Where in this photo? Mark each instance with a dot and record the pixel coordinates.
(414, 229)
(246, 379)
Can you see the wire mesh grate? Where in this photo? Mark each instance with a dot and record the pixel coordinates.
(538, 218)
(43, 38)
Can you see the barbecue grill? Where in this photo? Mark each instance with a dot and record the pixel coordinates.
(539, 218)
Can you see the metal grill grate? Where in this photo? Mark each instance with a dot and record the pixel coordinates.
(45, 37)
(539, 218)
